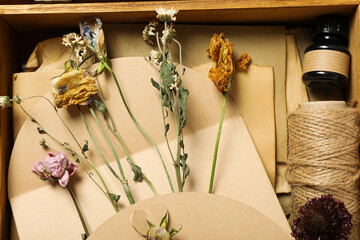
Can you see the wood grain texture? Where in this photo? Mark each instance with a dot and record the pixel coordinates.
(354, 47)
(141, 6)
(7, 63)
(36, 17)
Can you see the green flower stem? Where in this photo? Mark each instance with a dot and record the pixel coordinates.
(177, 162)
(40, 126)
(153, 189)
(122, 179)
(86, 59)
(79, 212)
(97, 146)
(101, 179)
(217, 144)
(75, 153)
(166, 138)
(180, 57)
(137, 124)
(62, 120)
(113, 130)
(158, 43)
(164, 43)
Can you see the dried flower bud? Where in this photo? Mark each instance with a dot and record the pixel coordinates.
(148, 32)
(94, 37)
(17, 99)
(168, 34)
(176, 83)
(42, 142)
(155, 56)
(158, 233)
(243, 61)
(5, 102)
(72, 39)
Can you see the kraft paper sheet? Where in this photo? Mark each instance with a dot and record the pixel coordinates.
(240, 174)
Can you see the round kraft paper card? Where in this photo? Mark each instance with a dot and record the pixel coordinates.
(192, 216)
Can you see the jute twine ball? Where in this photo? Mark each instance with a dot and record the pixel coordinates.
(323, 156)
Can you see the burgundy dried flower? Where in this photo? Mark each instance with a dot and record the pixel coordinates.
(322, 218)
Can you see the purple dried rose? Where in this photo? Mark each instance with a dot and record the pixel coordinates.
(322, 218)
(55, 166)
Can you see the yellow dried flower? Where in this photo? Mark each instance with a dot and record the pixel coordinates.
(74, 87)
(221, 52)
(243, 61)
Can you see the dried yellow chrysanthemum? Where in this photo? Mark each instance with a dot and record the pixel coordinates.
(221, 52)
(74, 87)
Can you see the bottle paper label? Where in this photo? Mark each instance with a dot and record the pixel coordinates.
(327, 60)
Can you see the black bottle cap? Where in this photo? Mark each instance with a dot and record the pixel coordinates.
(333, 24)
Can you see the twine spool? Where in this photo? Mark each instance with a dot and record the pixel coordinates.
(324, 156)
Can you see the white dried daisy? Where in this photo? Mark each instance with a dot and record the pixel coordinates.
(148, 32)
(72, 39)
(166, 15)
(155, 56)
(168, 34)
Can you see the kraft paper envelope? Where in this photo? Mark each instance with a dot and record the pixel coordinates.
(200, 206)
(38, 205)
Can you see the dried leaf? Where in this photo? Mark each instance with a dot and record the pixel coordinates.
(114, 197)
(85, 147)
(137, 172)
(183, 95)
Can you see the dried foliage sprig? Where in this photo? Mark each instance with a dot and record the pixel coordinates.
(173, 95)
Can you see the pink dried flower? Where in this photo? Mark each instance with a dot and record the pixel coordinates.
(55, 166)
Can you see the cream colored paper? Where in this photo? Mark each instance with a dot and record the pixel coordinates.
(295, 89)
(240, 174)
(242, 221)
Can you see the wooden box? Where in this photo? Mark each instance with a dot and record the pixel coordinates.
(22, 25)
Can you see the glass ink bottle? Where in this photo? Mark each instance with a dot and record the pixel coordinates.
(327, 60)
